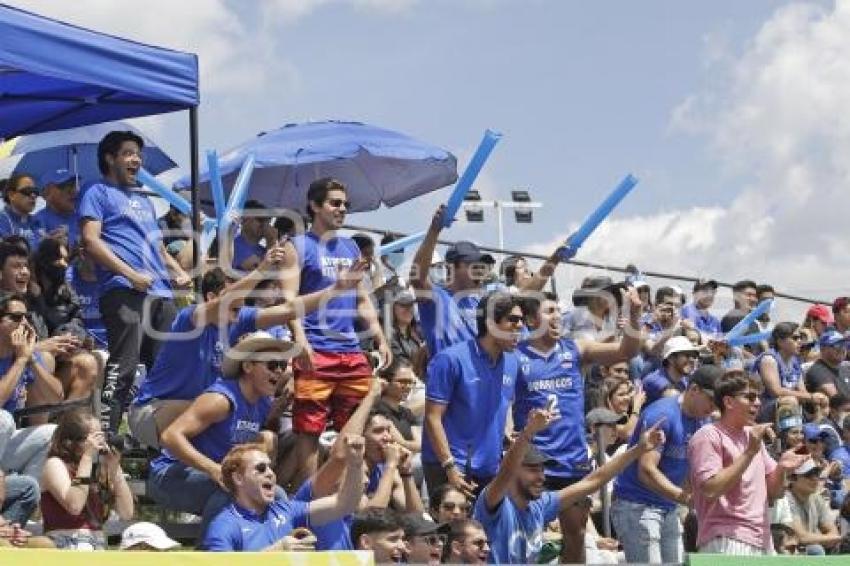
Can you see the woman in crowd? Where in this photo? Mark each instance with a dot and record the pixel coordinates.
(16, 219)
(448, 504)
(81, 482)
(56, 303)
(622, 398)
(780, 372)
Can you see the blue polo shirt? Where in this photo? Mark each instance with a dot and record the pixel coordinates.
(51, 220)
(554, 375)
(243, 249)
(477, 394)
(655, 383)
(516, 535)
(237, 529)
(190, 361)
(13, 224)
(330, 328)
(703, 320)
(447, 320)
(129, 228)
(335, 535)
(678, 429)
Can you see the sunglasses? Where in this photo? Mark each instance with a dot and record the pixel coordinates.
(434, 540)
(338, 202)
(262, 467)
(479, 542)
(15, 316)
(276, 365)
(514, 318)
(27, 191)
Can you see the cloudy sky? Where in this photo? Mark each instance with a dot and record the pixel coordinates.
(734, 115)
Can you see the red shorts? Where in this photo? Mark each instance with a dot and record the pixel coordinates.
(337, 384)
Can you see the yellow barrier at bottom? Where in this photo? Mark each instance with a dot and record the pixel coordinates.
(26, 557)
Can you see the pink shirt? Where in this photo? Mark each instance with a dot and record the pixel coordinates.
(740, 513)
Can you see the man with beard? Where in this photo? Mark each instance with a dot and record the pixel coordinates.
(515, 508)
(256, 520)
(551, 372)
(469, 389)
(732, 475)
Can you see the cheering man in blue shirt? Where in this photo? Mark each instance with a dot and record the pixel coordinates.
(120, 233)
(550, 377)
(469, 389)
(647, 492)
(515, 508)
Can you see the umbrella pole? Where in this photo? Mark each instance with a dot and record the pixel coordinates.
(196, 200)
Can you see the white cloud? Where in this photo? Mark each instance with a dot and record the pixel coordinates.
(776, 118)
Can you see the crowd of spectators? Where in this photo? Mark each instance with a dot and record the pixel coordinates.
(312, 395)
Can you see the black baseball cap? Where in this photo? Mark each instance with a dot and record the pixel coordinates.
(465, 252)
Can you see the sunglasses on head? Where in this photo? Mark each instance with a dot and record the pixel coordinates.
(338, 202)
(262, 467)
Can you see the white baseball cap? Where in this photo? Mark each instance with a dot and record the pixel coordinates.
(677, 344)
(146, 533)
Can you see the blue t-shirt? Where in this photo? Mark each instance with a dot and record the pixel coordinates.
(330, 328)
(657, 382)
(50, 220)
(243, 249)
(17, 400)
(242, 425)
(13, 224)
(516, 535)
(447, 320)
(280, 332)
(704, 321)
(129, 228)
(678, 429)
(554, 375)
(477, 395)
(88, 293)
(238, 529)
(184, 368)
(335, 535)
(790, 374)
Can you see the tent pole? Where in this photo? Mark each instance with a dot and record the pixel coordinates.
(196, 197)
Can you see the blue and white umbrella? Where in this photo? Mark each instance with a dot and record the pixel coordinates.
(377, 166)
(74, 149)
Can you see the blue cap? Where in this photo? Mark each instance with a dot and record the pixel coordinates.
(813, 431)
(57, 177)
(831, 337)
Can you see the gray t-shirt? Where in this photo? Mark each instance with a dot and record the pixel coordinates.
(812, 513)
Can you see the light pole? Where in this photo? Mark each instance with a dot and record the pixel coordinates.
(520, 202)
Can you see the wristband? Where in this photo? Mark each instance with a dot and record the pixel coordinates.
(448, 463)
(81, 481)
(407, 475)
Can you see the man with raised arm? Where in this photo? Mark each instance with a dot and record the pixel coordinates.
(515, 508)
(551, 376)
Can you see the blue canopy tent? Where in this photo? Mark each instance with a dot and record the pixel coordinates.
(54, 75)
